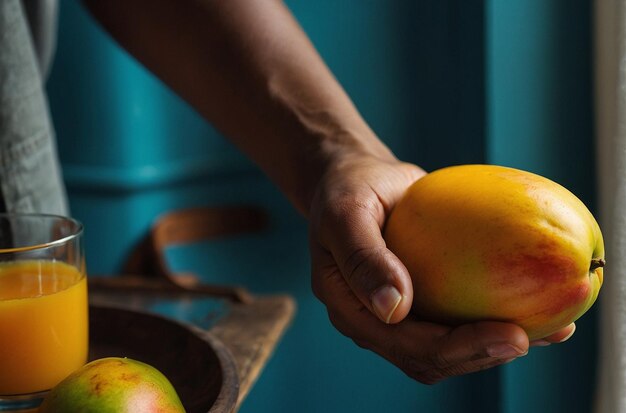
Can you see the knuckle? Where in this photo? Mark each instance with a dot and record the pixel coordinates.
(457, 370)
(437, 360)
(413, 367)
(343, 207)
(409, 364)
(419, 368)
(355, 265)
(336, 208)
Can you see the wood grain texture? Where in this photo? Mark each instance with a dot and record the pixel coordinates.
(251, 333)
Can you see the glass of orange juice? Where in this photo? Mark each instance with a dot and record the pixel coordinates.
(43, 306)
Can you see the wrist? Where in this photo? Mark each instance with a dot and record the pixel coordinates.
(335, 154)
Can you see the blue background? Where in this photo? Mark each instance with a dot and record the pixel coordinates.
(441, 81)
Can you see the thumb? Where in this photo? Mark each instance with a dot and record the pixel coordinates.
(375, 275)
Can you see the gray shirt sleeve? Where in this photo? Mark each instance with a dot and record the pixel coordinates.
(30, 179)
(42, 16)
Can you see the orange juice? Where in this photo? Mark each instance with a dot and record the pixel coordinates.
(43, 324)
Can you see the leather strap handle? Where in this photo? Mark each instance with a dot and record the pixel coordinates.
(188, 226)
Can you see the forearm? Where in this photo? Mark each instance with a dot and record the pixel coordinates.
(248, 68)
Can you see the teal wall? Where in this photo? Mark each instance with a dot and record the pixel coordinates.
(441, 81)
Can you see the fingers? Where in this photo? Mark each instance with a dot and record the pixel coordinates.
(426, 352)
(375, 275)
(461, 350)
(558, 337)
(481, 340)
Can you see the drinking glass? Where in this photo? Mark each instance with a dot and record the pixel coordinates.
(43, 306)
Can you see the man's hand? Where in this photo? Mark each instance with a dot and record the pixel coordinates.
(368, 291)
(250, 69)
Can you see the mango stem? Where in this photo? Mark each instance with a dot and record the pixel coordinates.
(597, 263)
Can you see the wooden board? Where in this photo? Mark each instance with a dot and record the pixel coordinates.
(249, 331)
(199, 367)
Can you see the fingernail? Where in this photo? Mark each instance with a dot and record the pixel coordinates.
(539, 343)
(569, 335)
(504, 351)
(385, 300)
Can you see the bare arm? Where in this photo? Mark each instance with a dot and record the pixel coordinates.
(248, 68)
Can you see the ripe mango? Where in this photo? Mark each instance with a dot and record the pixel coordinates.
(485, 242)
(113, 385)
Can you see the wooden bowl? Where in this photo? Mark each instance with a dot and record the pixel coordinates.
(199, 367)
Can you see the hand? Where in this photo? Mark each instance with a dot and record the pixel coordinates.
(368, 291)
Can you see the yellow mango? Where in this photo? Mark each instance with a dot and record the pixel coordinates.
(113, 385)
(485, 242)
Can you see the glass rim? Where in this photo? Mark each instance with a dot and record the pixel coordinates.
(53, 243)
